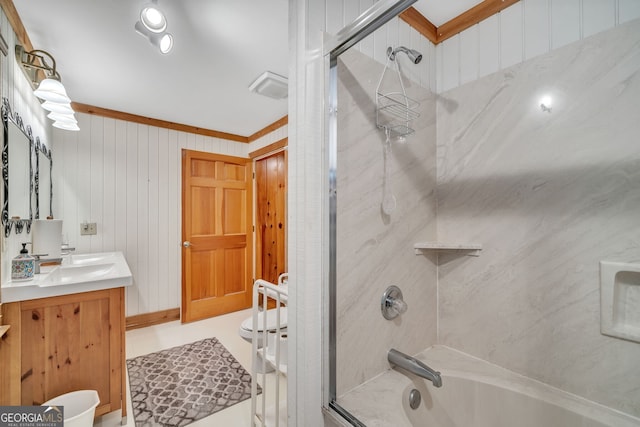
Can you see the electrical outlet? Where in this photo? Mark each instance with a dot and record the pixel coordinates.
(88, 228)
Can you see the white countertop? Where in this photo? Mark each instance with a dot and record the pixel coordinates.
(78, 273)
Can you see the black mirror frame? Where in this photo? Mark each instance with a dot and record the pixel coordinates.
(7, 222)
(41, 148)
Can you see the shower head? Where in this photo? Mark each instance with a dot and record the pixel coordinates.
(413, 54)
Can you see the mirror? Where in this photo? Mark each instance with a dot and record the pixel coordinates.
(42, 181)
(17, 171)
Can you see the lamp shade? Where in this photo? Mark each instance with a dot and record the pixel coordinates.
(62, 118)
(52, 90)
(66, 126)
(57, 108)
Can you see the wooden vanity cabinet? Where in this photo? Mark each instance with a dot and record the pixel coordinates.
(65, 343)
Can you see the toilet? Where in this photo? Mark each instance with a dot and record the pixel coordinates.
(246, 328)
(267, 327)
(246, 332)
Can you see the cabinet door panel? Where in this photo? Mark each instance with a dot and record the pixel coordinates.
(70, 345)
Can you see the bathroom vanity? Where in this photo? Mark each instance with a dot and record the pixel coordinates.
(67, 333)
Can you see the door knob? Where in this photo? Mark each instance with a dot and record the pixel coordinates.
(186, 244)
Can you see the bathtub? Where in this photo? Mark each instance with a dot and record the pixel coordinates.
(474, 394)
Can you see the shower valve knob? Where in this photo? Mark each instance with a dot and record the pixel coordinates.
(399, 306)
(392, 304)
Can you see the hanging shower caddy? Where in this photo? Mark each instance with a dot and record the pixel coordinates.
(394, 109)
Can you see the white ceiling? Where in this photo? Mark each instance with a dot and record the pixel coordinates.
(220, 47)
(440, 11)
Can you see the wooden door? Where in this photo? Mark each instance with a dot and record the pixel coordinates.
(271, 217)
(216, 234)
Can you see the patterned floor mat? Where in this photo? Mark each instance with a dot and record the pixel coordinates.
(180, 385)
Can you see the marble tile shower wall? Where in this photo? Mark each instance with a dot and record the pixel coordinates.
(376, 250)
(548, 195)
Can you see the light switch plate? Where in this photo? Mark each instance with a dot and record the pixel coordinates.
(88, 229)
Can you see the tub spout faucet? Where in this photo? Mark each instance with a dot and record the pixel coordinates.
(414, 366)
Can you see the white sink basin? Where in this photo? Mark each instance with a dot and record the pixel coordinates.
(97, 258)
(67, 274)
(79, 273)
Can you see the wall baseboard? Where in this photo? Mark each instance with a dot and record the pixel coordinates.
(150, 319)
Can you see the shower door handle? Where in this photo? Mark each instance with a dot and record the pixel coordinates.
(186, 244)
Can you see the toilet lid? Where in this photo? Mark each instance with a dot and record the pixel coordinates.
(247, 324)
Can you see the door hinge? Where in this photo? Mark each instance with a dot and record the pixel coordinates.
(254, 228)
(254, 175)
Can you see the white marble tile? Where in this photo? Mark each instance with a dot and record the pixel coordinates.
(376, 250)
(548, 195)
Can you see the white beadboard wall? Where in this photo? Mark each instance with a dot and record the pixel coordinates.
(276, 135)
(126, 177)
(16, 88)
(522, 31)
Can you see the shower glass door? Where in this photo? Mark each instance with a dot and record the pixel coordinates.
(371, 242)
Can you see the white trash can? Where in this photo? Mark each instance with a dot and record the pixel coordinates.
(79, 407)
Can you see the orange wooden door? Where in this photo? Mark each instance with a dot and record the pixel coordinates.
(216, 234)
(271, 215)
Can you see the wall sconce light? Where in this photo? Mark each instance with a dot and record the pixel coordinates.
(66, 126)
(64, 121)
(153, 25)
(62, 117)
(40, 69)
(57, 108)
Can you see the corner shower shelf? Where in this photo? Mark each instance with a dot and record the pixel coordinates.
(470, 249)
(4, 329)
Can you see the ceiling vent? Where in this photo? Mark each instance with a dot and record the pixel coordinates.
(270, 84)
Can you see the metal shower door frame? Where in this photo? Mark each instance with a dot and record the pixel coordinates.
(369, 21)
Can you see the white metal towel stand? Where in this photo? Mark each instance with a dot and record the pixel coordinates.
(270, 355)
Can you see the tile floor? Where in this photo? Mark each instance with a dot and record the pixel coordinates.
(167, 335)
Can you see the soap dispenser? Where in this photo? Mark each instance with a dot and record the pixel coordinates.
(22, 266)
